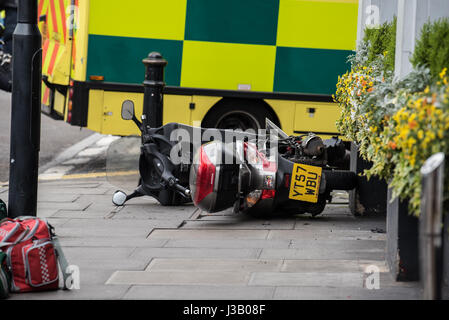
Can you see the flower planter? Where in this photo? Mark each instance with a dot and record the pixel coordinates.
(445, 259)
(402, 252)
(430, 259)
(369, 196)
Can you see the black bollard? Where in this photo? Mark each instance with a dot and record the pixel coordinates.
(25, 113)
(153, 101)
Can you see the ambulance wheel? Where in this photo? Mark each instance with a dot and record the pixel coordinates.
(242, 114)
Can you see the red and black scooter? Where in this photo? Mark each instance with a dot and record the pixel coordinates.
(261, 174)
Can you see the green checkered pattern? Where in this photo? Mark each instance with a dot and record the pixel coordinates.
(252, 23)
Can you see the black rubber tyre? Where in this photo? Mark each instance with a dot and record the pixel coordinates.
(240, 114)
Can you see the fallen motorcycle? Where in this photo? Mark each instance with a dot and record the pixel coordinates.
(262, 174)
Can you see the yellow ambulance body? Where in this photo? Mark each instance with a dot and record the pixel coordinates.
(231, 63)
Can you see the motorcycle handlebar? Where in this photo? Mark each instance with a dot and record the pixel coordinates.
(181, 189)
(172, 182)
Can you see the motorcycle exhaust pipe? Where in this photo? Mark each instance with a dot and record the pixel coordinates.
(340, 179)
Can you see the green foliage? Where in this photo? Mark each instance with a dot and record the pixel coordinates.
(432, 48)
(398, 123)
(382, 42)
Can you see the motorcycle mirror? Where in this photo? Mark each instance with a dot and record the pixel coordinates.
(119, 198)
(127, 110)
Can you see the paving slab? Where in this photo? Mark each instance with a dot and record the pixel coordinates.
(201, 265)
(218, 217)
(202, 234)
(241, 224)
(72, 214)
(146, 251)
(70, 190)
(229, 243)
(153, 211)
(105, 200)
(45, 213)
(338, 223)
(62, 197)
(78, 183)
(150, 253)
(387, 281)
(94, 276)
(344, 293)
(179, 278)
(382, 265)
(329, 234)
(323, 254)
(113, 228)
(93, 241)
(307, 279)
(85, 265)
(57, 223)
(342, 245)
(98, 254)
(76, 205)
(104, 258)
(329, 266)
(194, 292)
(86, 292)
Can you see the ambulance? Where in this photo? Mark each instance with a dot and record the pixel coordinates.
(231, 63)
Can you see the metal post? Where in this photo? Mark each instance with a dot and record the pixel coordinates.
(431, 220)
(153, 104)
(25, 113)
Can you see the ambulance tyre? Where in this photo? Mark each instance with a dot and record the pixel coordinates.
(240, 114)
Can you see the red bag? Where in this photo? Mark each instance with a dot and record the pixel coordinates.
(31, 255)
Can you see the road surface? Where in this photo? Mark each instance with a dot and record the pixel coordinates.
(55, 136)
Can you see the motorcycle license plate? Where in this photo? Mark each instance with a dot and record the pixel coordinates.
(305, 183)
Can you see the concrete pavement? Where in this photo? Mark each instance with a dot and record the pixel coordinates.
(146, 251)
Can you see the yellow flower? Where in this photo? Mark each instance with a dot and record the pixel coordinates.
(420, 134)
(413, 160)
(443, 73)
(398, 115)
(411, 142)
(404, 132)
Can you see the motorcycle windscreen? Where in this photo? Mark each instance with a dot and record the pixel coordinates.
(122, 163)
(275, 129)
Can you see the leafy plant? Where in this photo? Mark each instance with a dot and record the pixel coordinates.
(432, 48)
(382, 42)
(397, 124)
